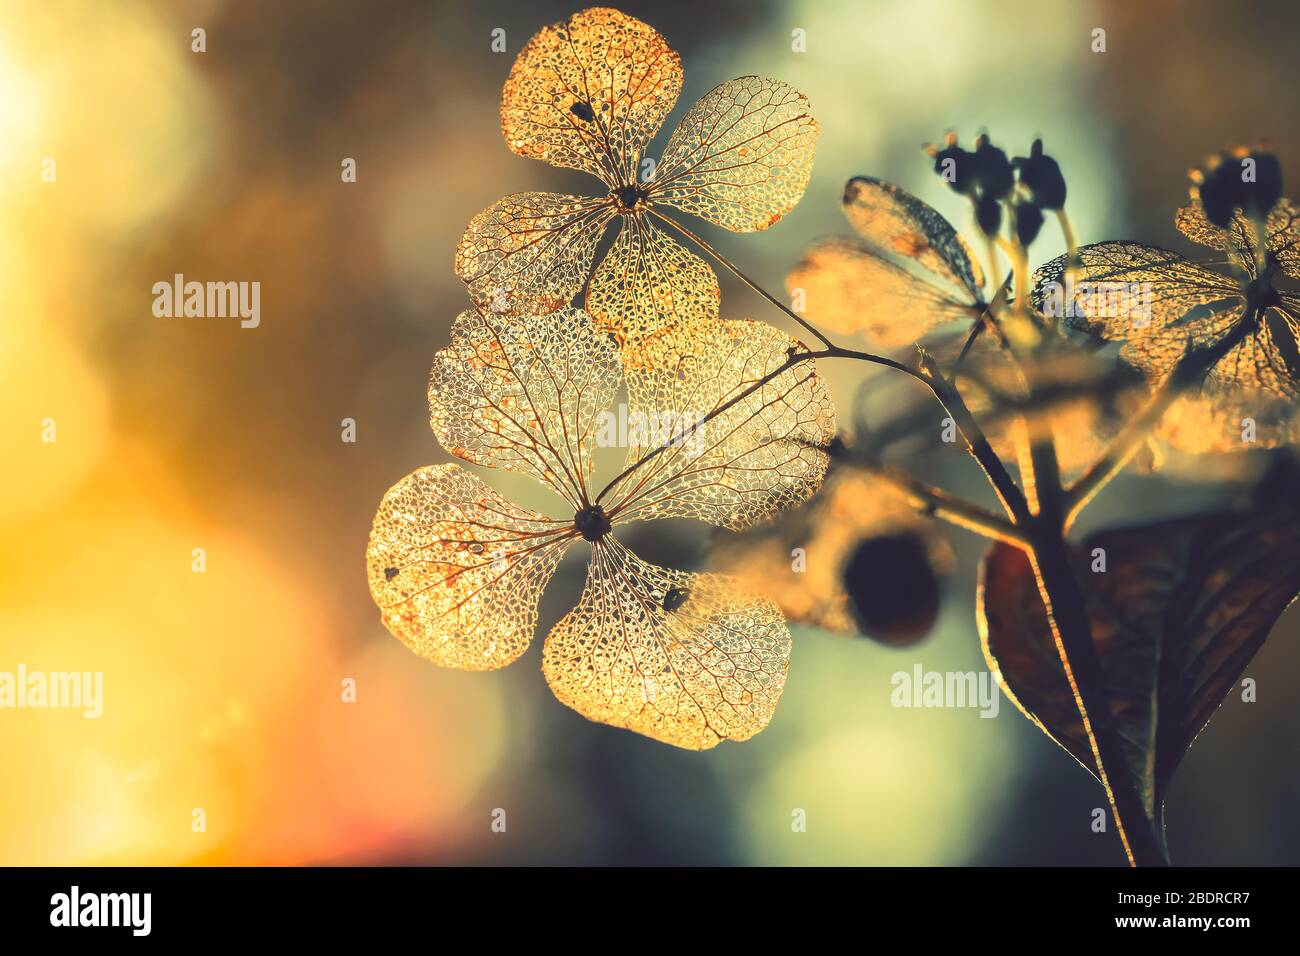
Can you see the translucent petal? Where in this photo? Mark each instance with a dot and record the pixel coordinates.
(1191, 222)
(457, 570)
(687, 659)
(761, 454)
(1128, 290)
(530, 253)
(895, 221)
(1199, 424)
(741, 156)
(1284, 236)
(1257, 362)
(590, 92)
(1254, 380)
(1283, 230)
(523, 394)
(847, 287)
(648, 282)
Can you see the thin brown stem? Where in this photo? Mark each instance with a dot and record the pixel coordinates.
(941, 504)
(1013, 500)
(734, 270)
(1189, 370)
(795, 357)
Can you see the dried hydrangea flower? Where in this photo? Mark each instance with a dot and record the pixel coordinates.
(589, 94)
(457, 570)
(1159, 303)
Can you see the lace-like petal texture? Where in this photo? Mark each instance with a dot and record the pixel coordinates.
(847, 287)
(530, 253)
(590, 93)
(741, 156)
(1251, 382)
(1283, 232)
(896, 222)
(457, 570)
(1131, 290)
(1284, 236)
(648, 283)
(762, 452)
(1181, 304)
(523, 394)
(687, 659)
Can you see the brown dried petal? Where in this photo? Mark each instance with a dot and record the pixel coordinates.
(895, 221)
(1128, 290)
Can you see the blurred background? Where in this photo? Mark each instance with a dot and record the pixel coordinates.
(222, 689)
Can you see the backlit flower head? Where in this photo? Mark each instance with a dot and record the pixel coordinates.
(589, 94)
(457, 569)
(1255, 381)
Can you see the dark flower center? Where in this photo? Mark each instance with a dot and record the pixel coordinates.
(591, 522)
(629, 196)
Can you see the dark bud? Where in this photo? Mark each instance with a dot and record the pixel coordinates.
(1266, 190)
(1222, 191)
(390, 573)
(956, 167)
(1041, 175)
(893, 589)
(988, 213)
(993, 170)
(1029, 221)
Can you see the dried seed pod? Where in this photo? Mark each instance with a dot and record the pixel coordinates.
(893, 588)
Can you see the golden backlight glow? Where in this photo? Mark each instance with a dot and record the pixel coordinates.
(183, 514)
(223, 736)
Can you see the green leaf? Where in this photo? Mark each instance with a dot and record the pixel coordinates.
(1180, 610)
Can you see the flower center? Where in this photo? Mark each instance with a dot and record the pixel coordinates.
(591, 522)
(629, 196)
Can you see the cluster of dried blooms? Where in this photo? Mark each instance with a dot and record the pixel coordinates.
(1123, 669)
(458, 570)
